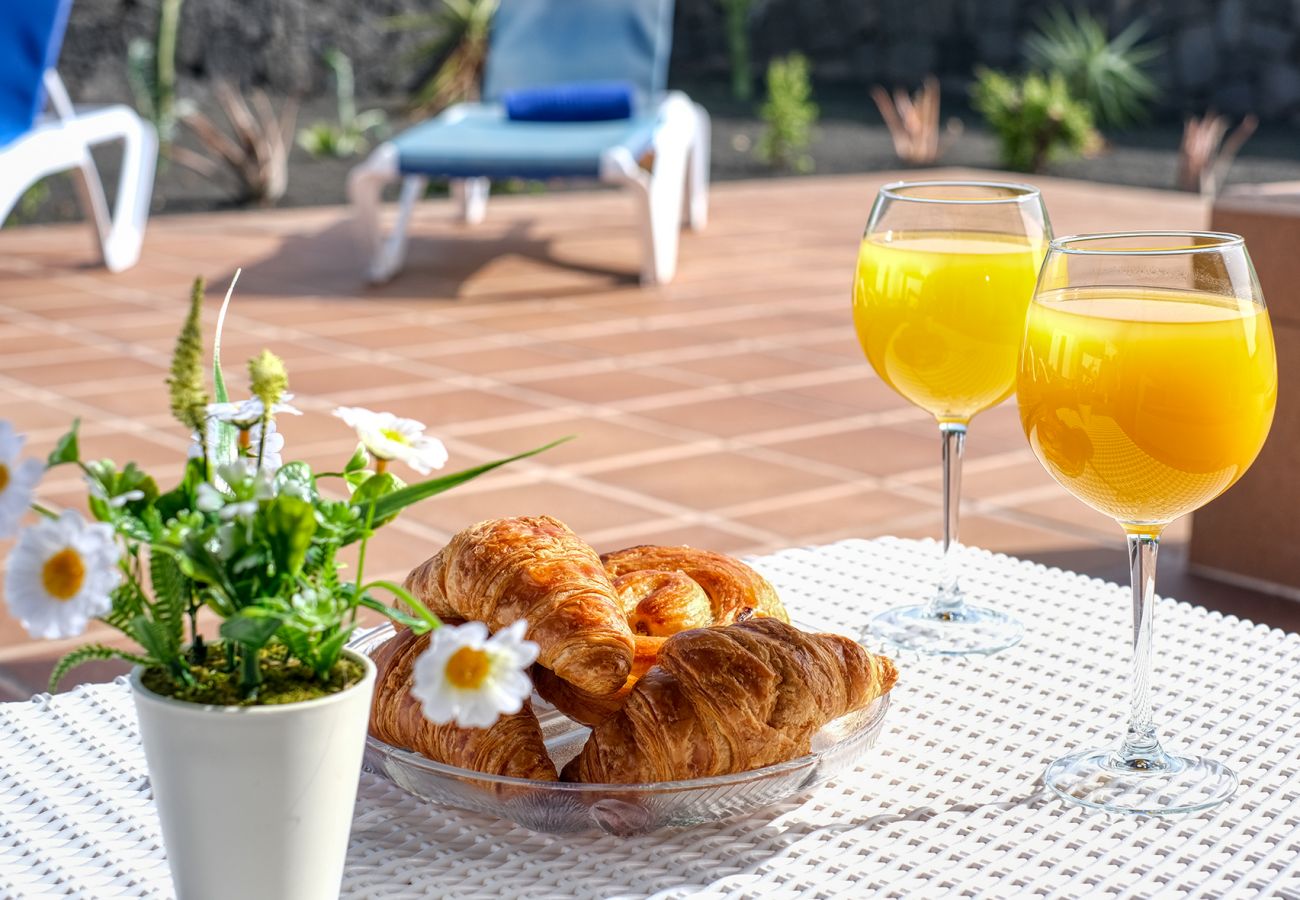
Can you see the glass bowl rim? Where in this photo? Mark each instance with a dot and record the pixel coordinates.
(1021, 192)
(1215, 241)
(873, 715)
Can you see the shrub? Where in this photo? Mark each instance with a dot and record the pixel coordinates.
(1105, 73)
(348, 136)
(1035, 116)
(737, 13)
(454, 58)
(789, 114)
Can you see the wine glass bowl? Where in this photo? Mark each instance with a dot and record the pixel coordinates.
(944, 276)
(1146, 388)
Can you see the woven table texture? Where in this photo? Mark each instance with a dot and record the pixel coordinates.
(950, 802)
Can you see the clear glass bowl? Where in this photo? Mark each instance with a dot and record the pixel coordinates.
(619, 809)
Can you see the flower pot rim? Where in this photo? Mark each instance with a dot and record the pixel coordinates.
(136, 680)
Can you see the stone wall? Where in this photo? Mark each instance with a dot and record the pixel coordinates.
(1235, 56)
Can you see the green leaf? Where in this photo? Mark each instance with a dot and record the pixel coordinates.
(181, 497)
(67, 449)
(155, 639)
(289, 525)
(327, 653)
(171, 591)
(416, 624)
(91, 652)
(359, 459)
(252, 627)
(389, 505)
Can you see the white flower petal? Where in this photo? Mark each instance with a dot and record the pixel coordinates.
(43, 614)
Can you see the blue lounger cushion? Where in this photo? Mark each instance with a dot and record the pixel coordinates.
(589, 101)
(474, 140)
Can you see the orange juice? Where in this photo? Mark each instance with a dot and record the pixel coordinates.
(1146, 404)
(940, 315)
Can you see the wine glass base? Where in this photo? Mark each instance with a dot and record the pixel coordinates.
(1100, 779)
(969, 630)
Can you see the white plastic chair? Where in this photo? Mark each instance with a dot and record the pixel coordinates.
(537, 43)
(34, 144)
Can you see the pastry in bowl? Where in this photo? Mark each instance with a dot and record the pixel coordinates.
(731, 699)
(662, 591)
(534, 568)
(510, 746)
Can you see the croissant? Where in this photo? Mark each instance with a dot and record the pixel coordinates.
(511, 746)
(534, 568)
(664, 590)
(731, 699)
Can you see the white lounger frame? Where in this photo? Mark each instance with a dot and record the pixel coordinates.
(61, 142)
(676, 187)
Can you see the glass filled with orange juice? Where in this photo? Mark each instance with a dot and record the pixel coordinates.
(1146, 387)
(944, 277)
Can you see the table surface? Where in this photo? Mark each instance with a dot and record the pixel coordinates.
(950, 802)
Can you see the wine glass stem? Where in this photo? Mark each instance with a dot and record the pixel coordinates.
(1141, 748)
(947, 602)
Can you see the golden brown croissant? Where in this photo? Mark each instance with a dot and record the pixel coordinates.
(665, 590)
(534, 568)
(731, 699)
(510, 746)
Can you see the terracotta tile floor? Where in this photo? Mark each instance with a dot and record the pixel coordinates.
(732, 409)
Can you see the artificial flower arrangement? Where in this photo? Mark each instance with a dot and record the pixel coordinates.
(250, 538)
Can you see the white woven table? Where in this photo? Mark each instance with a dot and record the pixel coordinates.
(948, 804)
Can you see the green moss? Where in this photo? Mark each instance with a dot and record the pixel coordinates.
(284, 680)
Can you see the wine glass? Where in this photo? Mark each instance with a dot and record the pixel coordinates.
(945, 272)
(1146, 387)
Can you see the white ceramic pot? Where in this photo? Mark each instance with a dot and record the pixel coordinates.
(256, 802)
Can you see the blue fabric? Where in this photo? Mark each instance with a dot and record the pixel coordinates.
(478, 140)
(31, 33)
(590, 101)
(535, 43)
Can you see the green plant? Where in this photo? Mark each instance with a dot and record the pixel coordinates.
(348, 136)
(1035, 116)
(788, 114)
(913, 122)
(1208, 149)
(256, 152)
(243, 535)
(453, 59)
(151, 73)
(737, 18)
(1108, 74)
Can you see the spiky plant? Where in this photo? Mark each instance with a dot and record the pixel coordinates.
(913, 122)
(455, 56)
(258, 152)
(1109, 74)
(1035, 117)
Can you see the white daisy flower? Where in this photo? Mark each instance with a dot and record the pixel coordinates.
(387, 436)
(18, 479)
(470, 678)
(247, 413)
(61, 575)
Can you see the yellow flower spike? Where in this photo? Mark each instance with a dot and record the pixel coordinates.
(189, 396)
(268, 379)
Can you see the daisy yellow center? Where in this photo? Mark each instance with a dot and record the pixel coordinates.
(63, 574)
(394, 435)
(468, 668)
(4, 477)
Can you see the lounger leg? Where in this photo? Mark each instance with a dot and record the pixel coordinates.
(472, 196)
(697, 187)
(365, 189)
(122, 240)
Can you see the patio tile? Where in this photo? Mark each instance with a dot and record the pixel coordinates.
(714, 480)
(853, 512)
(595, 439)
(582, 509)
(609, 387)
(733, 416)
(870, 451)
